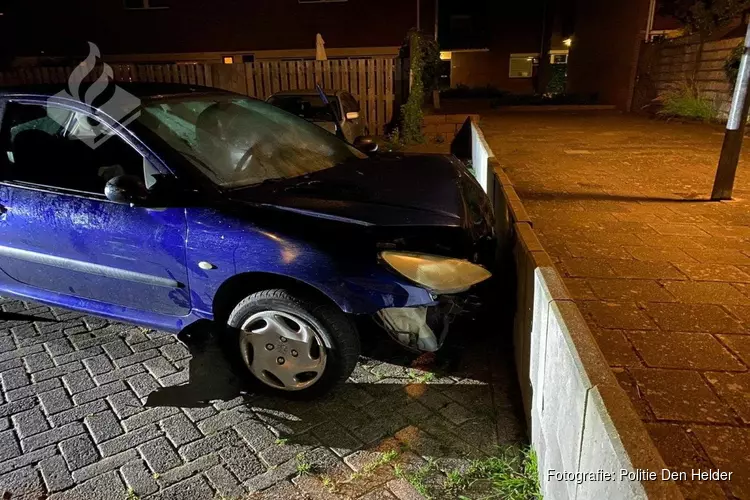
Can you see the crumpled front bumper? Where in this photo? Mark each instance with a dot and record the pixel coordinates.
(425, 328)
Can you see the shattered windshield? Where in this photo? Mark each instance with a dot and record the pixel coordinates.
(239, 142)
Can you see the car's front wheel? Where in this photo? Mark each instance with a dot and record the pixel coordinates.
(293, 345)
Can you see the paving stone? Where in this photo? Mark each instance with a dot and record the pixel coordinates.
(727, 447)
(78, 381)
(617, 315)
(692, 318)
(150, 416)
(739, 344)
(615, 347)
(734, 388)
(138, 478)
(29, 422)
(587, 268)
(55, 473)
(22, 483)
(27, 458)
(674, 229)
(456, 413)
(706, 292)
(106, 464)
(695, 351)
(223, 420)
(629, 290)
(103, 487)
(337, 438)
(159, 367)
(16, 406)
(645, 270)
(225, 484)
(178, 378)
(719, 256)
(153, 343)
(78, 412)
(56, 372)
(4, 423)
(55, 401)
(78, 452)
(136, 358)
(143, 384)
(241, 461)
(657, 254)
(188, 470)
(98, 392)
(8, 446)
(713, 272)
(175, 352)
(52, 436)
(129, 440)
(208, 444)
(256, 435)
(180, 430)
(13, 379)
(119, 374)
(117, 349)
(199, 413)
(38, 361)
(98, 365)
(103, 426)
(125, 404)
(195, 487)
(271, 477)
(32, 390)
(78, 355)
(680, 395)
(403, 490)
(596, 250)
(379, 494)
(159, 455)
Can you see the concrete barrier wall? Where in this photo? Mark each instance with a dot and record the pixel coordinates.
(580, 419)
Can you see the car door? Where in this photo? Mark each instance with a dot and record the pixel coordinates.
(61, 235)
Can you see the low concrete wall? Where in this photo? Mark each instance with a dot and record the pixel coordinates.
(580, 419)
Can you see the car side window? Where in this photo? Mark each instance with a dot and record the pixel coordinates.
(350, 103)
(53, 153)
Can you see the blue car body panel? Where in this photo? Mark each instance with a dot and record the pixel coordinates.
(143, 265)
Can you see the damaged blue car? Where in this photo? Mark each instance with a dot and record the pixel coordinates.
(205, 204)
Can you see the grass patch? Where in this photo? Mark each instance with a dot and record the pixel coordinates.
(512, 474)
(132, 494)
(281, 441)
(421, 378)
(303, 466)
(686, 100)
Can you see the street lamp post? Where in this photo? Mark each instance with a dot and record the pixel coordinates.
(730, 150)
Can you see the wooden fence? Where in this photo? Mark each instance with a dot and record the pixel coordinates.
(370, 81)
(664, 64)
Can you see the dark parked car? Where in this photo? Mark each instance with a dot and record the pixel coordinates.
(340, 116)
(214, 206)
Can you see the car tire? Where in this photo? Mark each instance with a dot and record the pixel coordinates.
(291, 345)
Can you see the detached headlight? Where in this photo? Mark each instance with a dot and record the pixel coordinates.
(438, 274)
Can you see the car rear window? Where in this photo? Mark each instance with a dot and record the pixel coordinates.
(309, 107)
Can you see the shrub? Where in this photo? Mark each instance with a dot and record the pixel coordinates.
(686, 100)
(411, 112)
(732, 63)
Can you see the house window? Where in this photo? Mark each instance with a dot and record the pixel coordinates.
(522, 65)
(146, 4)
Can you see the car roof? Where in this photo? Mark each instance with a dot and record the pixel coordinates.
(307, 92)
(140, 90)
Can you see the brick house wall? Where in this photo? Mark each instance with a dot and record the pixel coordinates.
(604, 55)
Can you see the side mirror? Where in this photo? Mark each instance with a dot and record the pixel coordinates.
(126, 189)
(366, 144)
(352, 115)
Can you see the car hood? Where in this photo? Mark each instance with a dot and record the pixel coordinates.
(385, 190)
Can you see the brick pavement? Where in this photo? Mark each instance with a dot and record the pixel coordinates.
(661, 274)
(91, 409)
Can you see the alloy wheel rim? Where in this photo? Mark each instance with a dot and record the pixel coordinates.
(282, 350)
